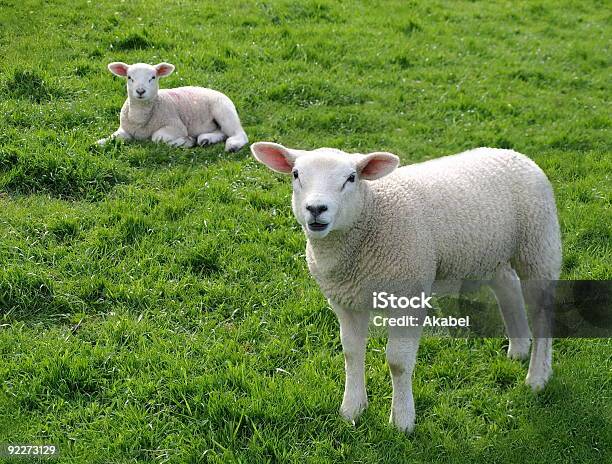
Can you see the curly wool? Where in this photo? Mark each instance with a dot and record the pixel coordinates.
(483, 214)
(192, 108)
(456, 217)
(181, 117)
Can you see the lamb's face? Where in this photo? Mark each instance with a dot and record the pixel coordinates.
(142, 79)
(326, 194)
(327, 183)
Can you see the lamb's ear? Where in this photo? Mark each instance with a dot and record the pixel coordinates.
(275, 156)
(377, 165)
(164, 69)
(118, 68)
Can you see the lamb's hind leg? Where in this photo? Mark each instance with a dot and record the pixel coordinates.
(538, 264)
(507, 289)
(226, 116)
(210, 138)
(236, 142)
(539, 295)
(173, 136)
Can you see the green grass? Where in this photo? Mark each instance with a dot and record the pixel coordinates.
(155, 303)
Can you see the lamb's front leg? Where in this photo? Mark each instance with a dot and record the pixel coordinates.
(173, 136)
(118, 134)
(354, 336)
(402, 348)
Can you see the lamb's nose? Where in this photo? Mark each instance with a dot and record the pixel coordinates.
(140, 92)
(316, 209)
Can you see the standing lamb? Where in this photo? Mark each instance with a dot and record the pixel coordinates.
(482, 214)
(180, 117)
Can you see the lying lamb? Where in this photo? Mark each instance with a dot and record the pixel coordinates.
(180, 117)
(483, 214)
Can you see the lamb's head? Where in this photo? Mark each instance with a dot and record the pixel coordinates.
(328, 184)
(142, 79)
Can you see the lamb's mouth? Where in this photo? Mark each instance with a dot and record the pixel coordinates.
(317, 226)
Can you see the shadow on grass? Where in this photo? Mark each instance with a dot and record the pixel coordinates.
(146, 154)
(557, 423)
(58, 174)
(33, 298)
(32, 86)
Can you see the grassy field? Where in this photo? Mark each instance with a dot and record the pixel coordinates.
(155, 305)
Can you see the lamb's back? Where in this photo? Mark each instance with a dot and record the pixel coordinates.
(193, 105)
(475, 204)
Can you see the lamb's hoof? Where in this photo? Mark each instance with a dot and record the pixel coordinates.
(402, 422)
(518, 350)
(233, 147)
(538, 382)
(351, 412)
(183, 142)
(210, 139)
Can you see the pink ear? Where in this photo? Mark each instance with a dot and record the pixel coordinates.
(273, 155)
(377, 165)
(118, 68)
(164, 69)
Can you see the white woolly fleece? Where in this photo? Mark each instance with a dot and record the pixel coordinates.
(456, 217)
(180, 117)
(190, 111)
(482, 214)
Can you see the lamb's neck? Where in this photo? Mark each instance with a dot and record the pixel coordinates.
(330, 258)
(140, 112)
(338, 253)
(332, 247)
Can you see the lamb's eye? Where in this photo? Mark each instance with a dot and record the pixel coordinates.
(153, 78)
(351, 178)
(295, 174)
(129, 78)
